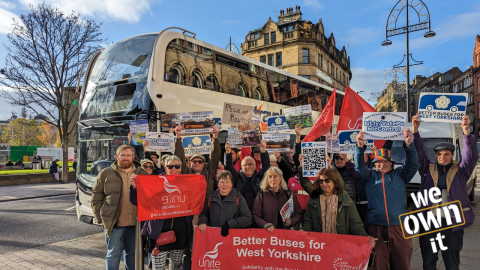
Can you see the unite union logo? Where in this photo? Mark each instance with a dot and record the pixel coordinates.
(168, 187)
(210, 263)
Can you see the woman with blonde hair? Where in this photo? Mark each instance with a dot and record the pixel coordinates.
(272, 197)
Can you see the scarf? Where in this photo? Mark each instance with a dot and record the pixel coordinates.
(329, 213)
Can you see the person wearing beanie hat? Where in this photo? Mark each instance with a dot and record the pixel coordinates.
(450, 177)
(147, 165)
(387, 200)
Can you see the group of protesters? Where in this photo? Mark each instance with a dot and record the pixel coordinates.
(364, 197)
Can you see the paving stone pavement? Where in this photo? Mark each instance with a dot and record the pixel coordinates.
(18, 192)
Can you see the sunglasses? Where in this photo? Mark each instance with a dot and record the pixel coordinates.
(177, 166)
(147, 167)
(339, 158)
(327, 181)
(197, 162)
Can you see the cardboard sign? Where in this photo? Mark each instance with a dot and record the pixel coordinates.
(139, 129)
(277, 141)
(170, 196)
(299, 115)
(249, 249)
(170, 120)
(197, 122)
(332, 143)
(384, 125)
(348, 140)
(447, 108)
(236, 114)
(160, 142)
(197, 144)
(277, 124)
(314, 158)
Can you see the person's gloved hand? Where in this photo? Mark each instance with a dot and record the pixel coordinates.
(225, 228)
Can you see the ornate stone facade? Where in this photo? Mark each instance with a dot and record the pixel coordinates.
(476, 84)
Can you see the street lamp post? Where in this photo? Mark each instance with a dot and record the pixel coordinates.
(392, 30)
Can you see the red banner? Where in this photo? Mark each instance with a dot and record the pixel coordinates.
(283, 249)
(170, 196)
(324, 122)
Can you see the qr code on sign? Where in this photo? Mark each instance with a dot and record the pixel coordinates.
(314, 159)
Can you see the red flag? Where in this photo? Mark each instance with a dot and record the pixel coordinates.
(324, 121)
(351, 114)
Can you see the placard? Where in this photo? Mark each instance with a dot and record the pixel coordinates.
(299, 115)
(197, 145)
(139, 129)
(258, 249)
(277, 141)
(287, 209)
(277, 124)
(332, 143)
(384, 125)
(314, 158)
(348, 140)
(160, 142)
(197, 122)
(442, 107)
(170, 120)
(235, 136)
(236, 114)
(218, 123)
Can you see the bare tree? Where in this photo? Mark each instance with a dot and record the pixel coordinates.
(45, 54)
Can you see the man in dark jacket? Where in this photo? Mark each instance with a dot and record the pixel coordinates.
(54, 169)
(387, 200)
(112, 208)
(247, 180)
(451, 178)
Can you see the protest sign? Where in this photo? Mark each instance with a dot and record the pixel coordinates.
(170, 196)
(170, 120)
(235, 136)
(314, 157)
(299, 115)
(197, 122)
(440, 107)
(236, 114)
(287, 209)
(243, 138)
(348, 140)
(277, 124)
(159, 142)
(138, 128)
(197, 144)
(332, 143)
(218, 123)
(283, 249)
(277, 141)
(384, 125)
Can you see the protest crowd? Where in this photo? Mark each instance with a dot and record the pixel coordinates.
(262, 188)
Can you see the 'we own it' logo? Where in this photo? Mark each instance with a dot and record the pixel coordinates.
(210, 263)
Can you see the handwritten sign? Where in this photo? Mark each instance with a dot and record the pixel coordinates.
(384, 125)
(159, 142)
(236, 114)
(277, 123)
(197, 122)
(447, 108)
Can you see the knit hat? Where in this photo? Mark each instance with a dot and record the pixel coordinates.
(383, 154)
(145, 161)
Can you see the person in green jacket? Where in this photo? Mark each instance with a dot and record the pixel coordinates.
(330, 209)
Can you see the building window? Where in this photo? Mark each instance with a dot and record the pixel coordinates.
(208, 51)
(328, 67)
(174, 75)
(332, 69)
(263, 59)
(305, 56)
(274, 37)
(258, 95)
(267, 39)
(320, 61)
(278, 55)
(306, 77)
(240, 90)
(270, 60)
(212, 82)
(197, 80)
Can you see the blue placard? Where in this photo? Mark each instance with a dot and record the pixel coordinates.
(440, 107)
(218, 123)
(277, 123)
(348, 140)
(197, 144)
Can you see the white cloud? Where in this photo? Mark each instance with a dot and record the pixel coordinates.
(315, 4)
(6, 21)
(369, 81)
(121, 10)
(7, 5)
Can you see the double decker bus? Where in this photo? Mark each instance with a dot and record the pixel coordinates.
(172, 72)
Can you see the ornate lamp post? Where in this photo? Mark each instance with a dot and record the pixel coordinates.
(393, 30)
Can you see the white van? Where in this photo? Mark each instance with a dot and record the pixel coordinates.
(431, 134)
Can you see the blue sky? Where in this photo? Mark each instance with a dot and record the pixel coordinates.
(357, 25)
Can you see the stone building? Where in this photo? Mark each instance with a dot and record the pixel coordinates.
(391, 100)
(464, 84)
(300, 47)
(476, 84)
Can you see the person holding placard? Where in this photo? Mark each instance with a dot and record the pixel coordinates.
(270, 201)
(451, 178)
(387, 200)
(247, 180)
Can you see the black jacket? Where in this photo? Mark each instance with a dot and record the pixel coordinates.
(216, 212)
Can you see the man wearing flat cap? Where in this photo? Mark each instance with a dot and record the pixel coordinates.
(451, 178)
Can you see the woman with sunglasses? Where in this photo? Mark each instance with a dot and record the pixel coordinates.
(330, 209)
(182, 226)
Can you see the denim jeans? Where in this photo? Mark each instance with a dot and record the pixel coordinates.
(122, 240)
